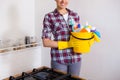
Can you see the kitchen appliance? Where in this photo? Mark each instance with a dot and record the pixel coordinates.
(43, 73)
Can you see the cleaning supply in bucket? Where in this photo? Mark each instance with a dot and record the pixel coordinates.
(81, 39)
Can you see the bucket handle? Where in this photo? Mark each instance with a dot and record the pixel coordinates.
(83, 38)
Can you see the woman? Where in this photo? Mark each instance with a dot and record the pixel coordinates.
(57, 24)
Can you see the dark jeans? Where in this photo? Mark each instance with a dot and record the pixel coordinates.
(73, 69)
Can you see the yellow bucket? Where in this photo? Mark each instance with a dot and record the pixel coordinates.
(86, 39)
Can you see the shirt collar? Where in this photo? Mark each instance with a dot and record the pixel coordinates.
(57, 13)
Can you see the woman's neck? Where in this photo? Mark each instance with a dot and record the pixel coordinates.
(62, 11)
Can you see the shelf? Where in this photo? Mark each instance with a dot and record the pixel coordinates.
(14, 48)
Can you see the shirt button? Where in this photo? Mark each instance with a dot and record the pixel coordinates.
(70, 54)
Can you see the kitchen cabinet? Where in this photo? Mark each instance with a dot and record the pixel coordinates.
(16, 61)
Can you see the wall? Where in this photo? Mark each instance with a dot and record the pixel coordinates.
(102, 63)
(17, 20)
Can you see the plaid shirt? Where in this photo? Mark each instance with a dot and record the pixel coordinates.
(55, 24)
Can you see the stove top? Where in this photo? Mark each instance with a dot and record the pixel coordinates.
(44, 73)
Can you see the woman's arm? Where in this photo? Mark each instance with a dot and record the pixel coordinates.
(49, 43)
